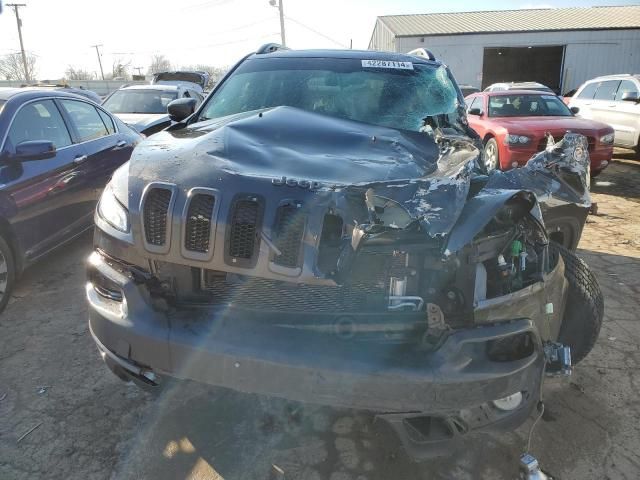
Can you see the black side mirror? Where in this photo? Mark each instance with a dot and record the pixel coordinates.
(181, 108)
(630, 97)
(35, 150)
(574, 110)
(475, 111)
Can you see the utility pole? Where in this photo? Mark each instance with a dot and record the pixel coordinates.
(16, 7)
(99, 61)
(281, 8)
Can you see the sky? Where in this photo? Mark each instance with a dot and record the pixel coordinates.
(213, 32)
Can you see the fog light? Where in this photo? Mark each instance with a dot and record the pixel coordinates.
(604, 163)
(514, 164)
(508, 403)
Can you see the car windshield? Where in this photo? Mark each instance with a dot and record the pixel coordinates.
(391, 94)
(527, 105)
(140, 101)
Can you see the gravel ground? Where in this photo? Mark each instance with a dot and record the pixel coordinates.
(90, 425)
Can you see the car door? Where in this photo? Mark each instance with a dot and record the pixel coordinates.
(476, 121)
(603, 104)
(626, 115)
(583, 99)
(39, 192)
(105, 149)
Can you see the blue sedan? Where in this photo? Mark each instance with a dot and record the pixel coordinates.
(57, 151)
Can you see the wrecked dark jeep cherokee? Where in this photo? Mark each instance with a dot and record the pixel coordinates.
(320, 230)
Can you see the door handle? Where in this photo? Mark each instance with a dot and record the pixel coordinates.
(121, 144)
(79, 159)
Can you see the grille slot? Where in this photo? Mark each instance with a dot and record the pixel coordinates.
(156, 207)
(198, 224)
(288, 230)
(244, 228)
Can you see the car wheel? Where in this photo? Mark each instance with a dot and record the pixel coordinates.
(7, 273)
(491, 155)
(584, 305)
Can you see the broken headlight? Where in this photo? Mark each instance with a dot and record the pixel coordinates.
(112, 211)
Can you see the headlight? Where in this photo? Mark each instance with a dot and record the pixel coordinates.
(516, 139)
(607, 139)
(112, 211)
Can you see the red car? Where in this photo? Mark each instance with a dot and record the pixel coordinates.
(513, 125)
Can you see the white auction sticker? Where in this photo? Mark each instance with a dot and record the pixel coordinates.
(387, 64)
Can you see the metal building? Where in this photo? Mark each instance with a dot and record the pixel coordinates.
(560, 47)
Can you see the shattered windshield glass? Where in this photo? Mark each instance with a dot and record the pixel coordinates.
(354, 89)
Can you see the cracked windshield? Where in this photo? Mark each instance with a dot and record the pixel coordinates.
(272, 240)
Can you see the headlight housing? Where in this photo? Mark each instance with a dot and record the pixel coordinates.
(607, 139)
(516, 139)
(112, 211)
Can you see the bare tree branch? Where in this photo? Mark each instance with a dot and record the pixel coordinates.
(12, 68)
(159, 63)
(73, 73)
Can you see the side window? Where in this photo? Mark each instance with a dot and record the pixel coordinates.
(86, 119)
(626, 86)
(467, 102)
(108, 122)
(607, 90)
(589, 91)
(477, 103)
(39, 121)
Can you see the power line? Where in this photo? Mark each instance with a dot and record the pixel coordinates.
(316, 31)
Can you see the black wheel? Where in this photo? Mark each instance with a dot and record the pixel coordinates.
(491, 155)
(584, 307)
(7, 273)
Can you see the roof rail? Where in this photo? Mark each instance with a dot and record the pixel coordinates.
(422, 52)
(270, 48)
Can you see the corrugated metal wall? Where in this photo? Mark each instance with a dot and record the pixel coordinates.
(382, 38)
(588, 53)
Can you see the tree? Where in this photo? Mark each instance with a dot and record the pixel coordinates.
(73, 73)
(215, 73)
(12, 67)
(120, 69)
(159, 63)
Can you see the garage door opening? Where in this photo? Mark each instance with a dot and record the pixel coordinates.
(523, 64)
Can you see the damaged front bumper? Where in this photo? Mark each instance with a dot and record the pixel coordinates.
(353, 361)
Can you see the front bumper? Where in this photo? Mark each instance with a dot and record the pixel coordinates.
(599, 157)
(266, 353)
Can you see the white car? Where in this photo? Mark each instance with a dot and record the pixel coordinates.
(144, 107)
(613, 99)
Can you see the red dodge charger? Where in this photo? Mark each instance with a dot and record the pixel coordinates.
(513, 125)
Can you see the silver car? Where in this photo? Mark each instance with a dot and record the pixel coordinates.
(613, 99)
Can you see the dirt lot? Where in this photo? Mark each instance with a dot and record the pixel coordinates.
(90, 425)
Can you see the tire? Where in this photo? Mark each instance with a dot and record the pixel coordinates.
(7, 273)
(491, 155)
(584, 305)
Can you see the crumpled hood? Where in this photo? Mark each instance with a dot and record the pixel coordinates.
(142, 121)
(334, 156)
(286, 141)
